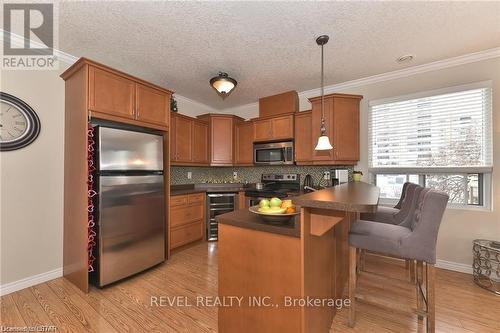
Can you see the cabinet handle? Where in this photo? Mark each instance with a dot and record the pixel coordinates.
(137, 112)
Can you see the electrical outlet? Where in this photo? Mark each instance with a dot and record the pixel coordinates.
(326, 175)
(190, 175)
(235, 175)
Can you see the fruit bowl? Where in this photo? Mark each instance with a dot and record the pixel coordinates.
(274, 218)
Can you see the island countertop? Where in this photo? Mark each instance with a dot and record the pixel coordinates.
(358, 197)
(245, 219)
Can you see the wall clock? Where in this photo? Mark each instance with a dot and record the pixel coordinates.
(19, 124)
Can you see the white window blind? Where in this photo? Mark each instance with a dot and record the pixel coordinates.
(444, 129)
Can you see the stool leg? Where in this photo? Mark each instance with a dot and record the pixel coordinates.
(431, 305)
(352, 285)
(418, 285)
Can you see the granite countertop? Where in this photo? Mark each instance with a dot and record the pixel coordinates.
(243, 218)
(352, 197)
(204, 188)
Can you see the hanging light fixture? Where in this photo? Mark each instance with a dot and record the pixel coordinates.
(323, 140)
(223, 84)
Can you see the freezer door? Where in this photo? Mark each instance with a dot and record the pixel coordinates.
(127, 150)
(131, 225)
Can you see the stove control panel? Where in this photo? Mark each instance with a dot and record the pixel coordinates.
(287, 177)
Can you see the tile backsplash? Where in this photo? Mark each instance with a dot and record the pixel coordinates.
(179, 175)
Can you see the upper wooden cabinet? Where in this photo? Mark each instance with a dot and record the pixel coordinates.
(273, 129)
(244, 136)
(284, 103)
(341, 115)
(119, 97)
(189, 141)
(181, 139)
(200, 142)
(111, 94)
(303, 136)
(221, 128)
(152, 105)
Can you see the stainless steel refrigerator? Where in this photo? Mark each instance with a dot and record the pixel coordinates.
(131, 209)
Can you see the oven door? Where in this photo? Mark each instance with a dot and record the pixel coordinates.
(273, 153)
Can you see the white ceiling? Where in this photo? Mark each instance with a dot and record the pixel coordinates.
(269, 47)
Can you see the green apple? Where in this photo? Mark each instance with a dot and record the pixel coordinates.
(264, 203)
(275, 202)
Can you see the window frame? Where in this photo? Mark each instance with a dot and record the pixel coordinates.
(485, 172)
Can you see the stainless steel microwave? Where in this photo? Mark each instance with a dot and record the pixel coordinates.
(273, 153)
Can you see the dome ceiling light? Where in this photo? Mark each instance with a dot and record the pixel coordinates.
(223, 84)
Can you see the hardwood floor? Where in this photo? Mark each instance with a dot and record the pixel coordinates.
(461, 306)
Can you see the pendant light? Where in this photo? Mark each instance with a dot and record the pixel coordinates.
(323, 140)
(223, 84)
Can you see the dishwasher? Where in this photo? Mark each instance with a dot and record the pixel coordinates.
(217, 204)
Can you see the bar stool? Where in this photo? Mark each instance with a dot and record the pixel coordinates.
(394, 215)
(401, 216)
(414, 242)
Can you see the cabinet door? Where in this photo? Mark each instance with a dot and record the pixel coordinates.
(110, 93)
(183, 139)
(200, 142)
(346, 129)
(152, 105)
(263, 130)
(221, 133)
(303, 137)
(322, 155)
(244, 143)
(282, 127)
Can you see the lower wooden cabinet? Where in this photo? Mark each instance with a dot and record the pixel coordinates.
(187, 219)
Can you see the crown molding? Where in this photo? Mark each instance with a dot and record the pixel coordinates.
(209, 109)
(410, 71)
(401, 73)
(18, 40)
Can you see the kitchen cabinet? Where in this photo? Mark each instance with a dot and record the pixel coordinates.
(116, 96)
(187, 216)
(110, 93)
(284, 103)
(244, 143)
(341, 113)
(274, 128)
(200, 142)
(221, 132)
(303, 136)
(152, 105)
(189, 141)
(182, 139)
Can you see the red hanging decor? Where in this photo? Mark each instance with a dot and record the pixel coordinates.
(91, 193)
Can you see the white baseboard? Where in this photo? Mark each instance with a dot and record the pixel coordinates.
(30, 281)
(454, 266)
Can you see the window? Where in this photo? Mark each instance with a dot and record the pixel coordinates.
(439, 139)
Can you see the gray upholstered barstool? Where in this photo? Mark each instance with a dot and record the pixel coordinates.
(417, 241)
(396, 214)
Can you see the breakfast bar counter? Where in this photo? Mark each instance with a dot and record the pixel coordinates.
(289, 283)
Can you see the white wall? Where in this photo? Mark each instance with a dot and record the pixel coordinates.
(460, 226)
(31, 202)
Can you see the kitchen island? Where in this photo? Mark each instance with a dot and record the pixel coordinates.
(289, 278)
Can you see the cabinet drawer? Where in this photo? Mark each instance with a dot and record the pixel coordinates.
(196, 198)
(186, 234)
(178, 200)
(185, 214)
